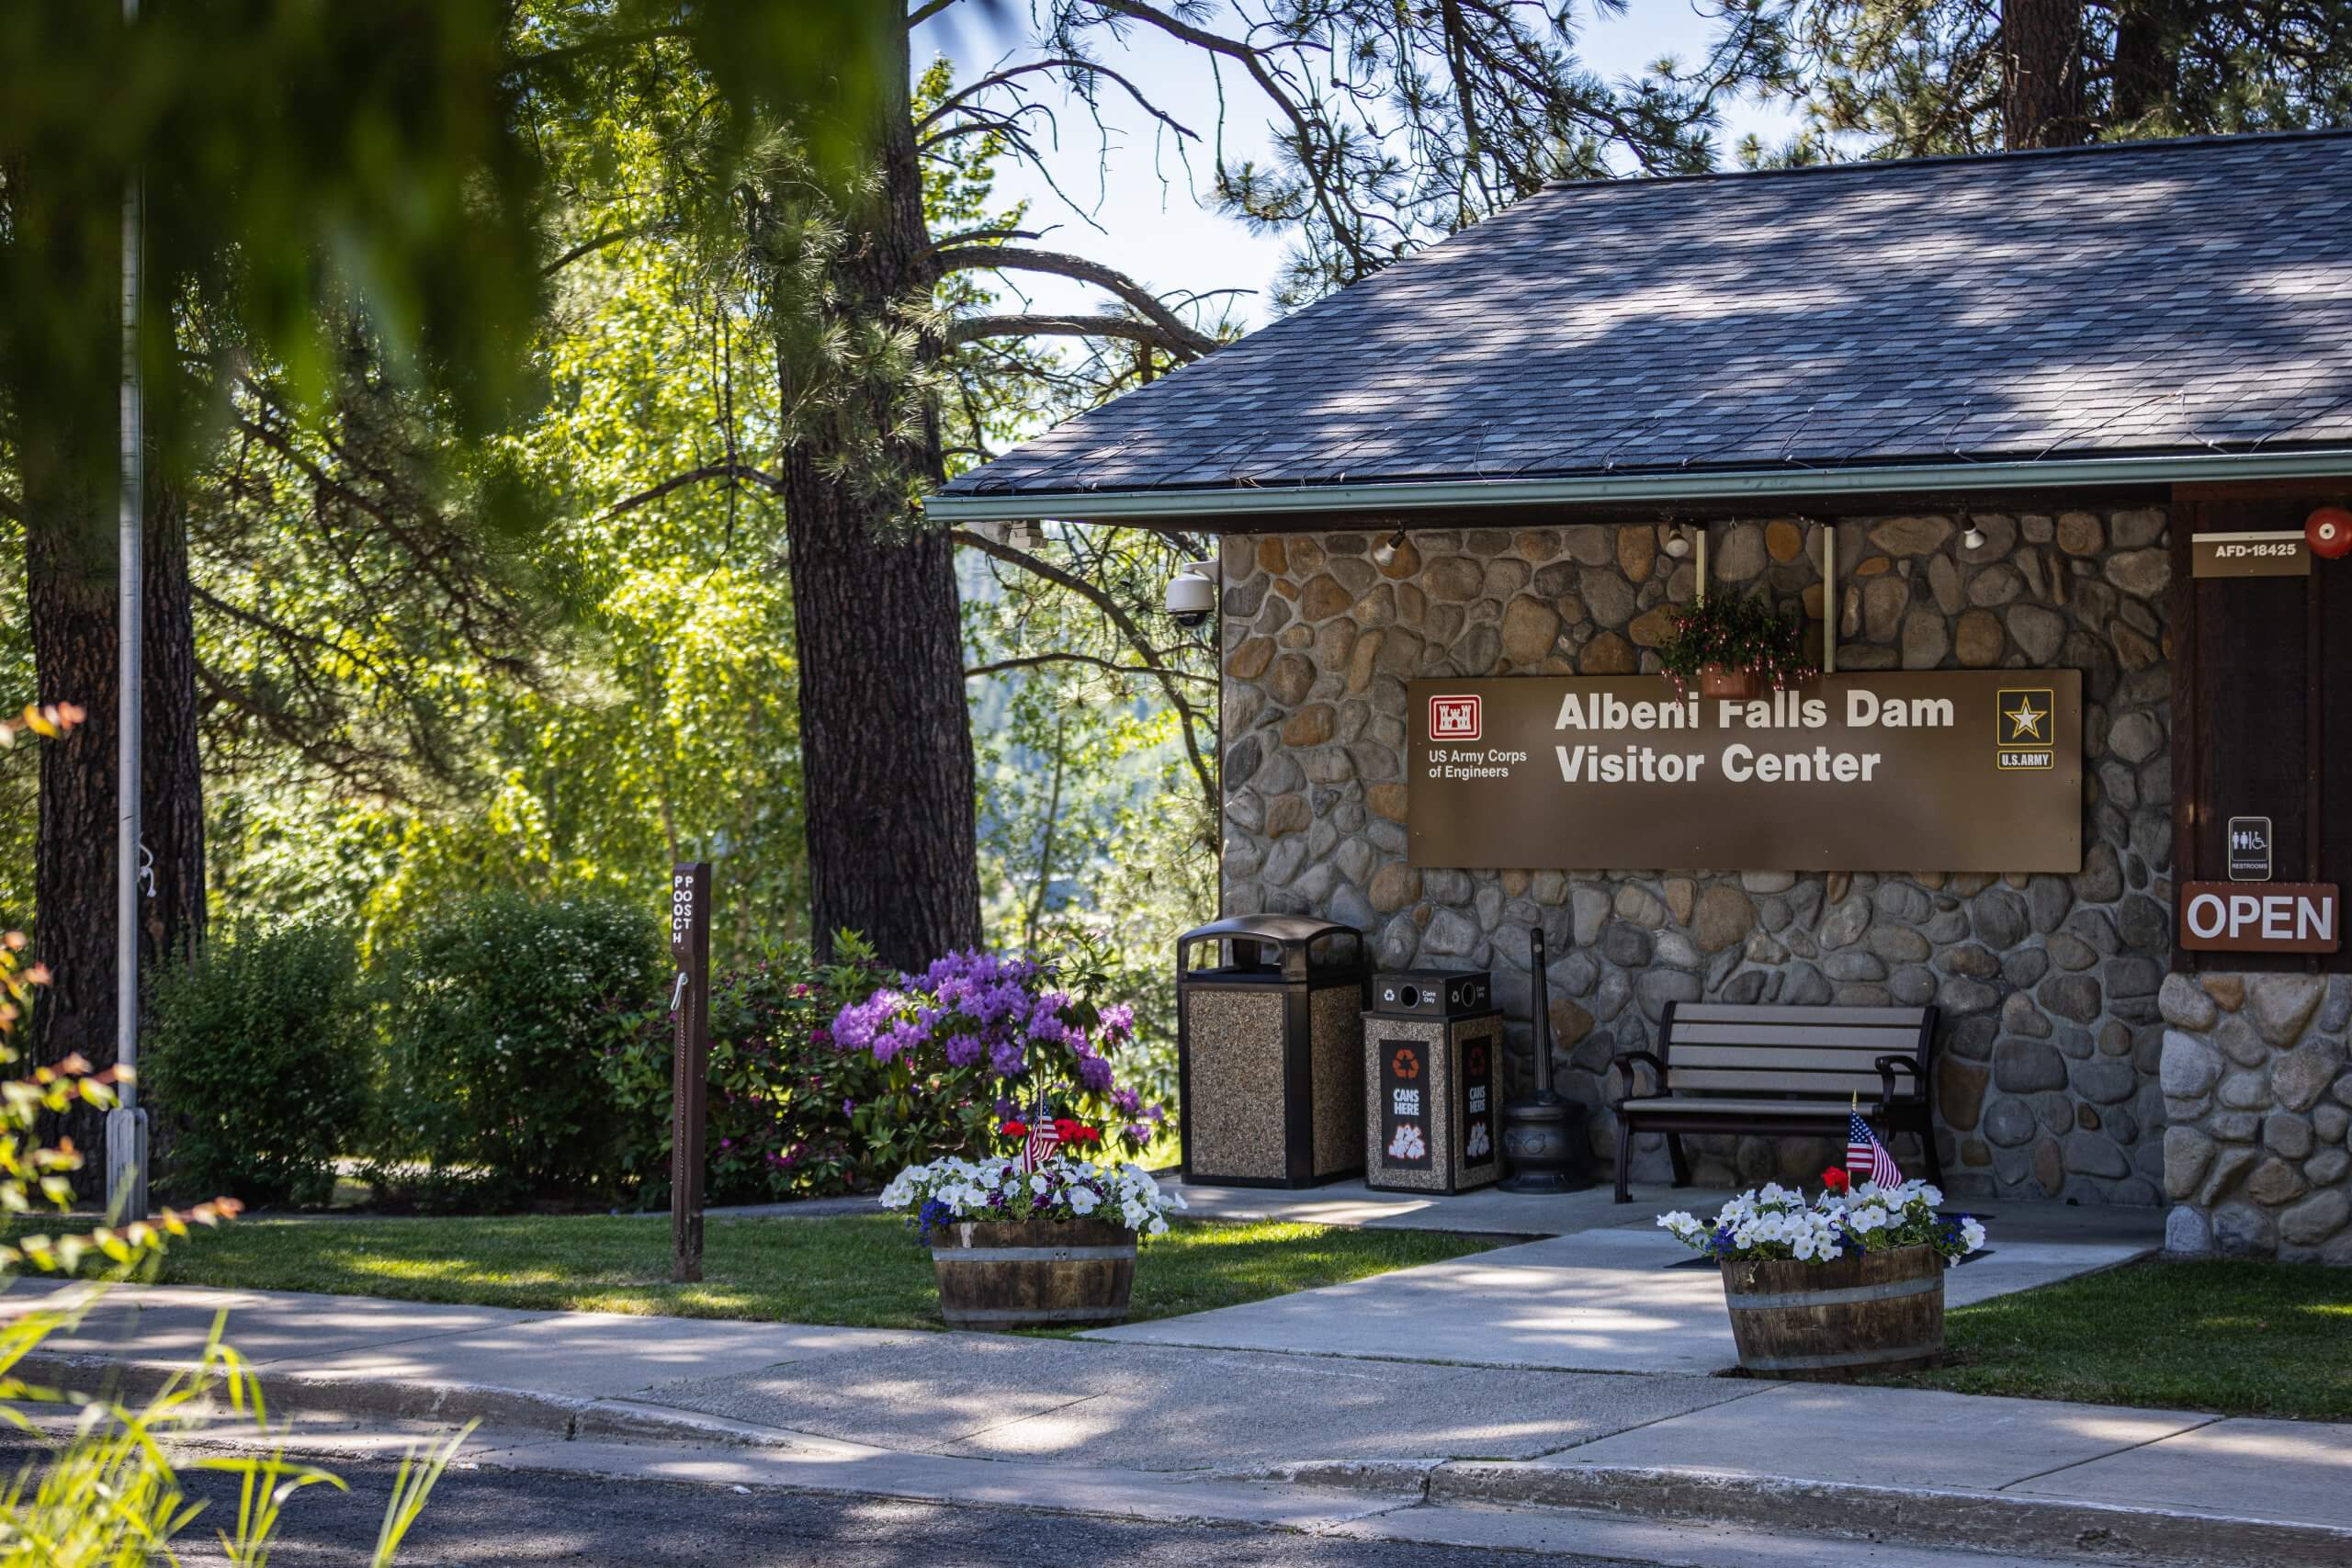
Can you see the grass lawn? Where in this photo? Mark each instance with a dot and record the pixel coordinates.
(866, 1270)
(2241, 1337)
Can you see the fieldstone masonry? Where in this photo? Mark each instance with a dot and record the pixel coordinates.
(2258, 1103)
(2052, 1039)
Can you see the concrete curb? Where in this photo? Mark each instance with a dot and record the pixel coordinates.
(314, 1397)
(1995, 1521)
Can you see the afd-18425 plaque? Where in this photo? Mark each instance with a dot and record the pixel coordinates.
(1978, 770)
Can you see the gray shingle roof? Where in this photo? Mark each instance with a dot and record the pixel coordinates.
(2157, 298)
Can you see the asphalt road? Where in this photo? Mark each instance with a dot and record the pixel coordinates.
(522, 1519)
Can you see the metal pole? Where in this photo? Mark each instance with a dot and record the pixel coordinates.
(126, 1126)
(1539, 960)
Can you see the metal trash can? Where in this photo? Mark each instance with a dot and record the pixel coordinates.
(1270, 1051)
(1433, 1047)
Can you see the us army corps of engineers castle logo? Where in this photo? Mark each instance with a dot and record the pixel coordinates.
(2025, 729)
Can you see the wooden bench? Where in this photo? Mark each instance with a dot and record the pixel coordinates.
(1781, 1071)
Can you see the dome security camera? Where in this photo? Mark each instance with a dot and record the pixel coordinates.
(1191, 594)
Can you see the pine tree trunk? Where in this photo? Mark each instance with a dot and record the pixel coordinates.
(2147, 56)
(172, 763)
(72, 581)
(70, 585)
(886, 734)
(2041, 75)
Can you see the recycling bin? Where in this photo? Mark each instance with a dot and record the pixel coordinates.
(1432, 1079)
(1270, 1051)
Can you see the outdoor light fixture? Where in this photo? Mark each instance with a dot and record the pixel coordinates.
(1972, 537)
(1192, 593)
(1385, 552)
(1678, 541)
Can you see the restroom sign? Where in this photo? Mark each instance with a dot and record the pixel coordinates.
(2277, 916)
(2249, 849)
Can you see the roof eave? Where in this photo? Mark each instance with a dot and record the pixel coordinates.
(1402, 499)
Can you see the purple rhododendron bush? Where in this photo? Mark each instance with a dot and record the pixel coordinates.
(830, 1079)
(1019, 1037)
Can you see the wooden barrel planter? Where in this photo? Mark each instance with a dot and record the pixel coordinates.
(1875, 1312)
(1043, 1271)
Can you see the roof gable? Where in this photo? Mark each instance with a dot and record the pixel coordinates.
(2145, 299)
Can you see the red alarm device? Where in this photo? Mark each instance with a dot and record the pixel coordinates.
(2329, 531)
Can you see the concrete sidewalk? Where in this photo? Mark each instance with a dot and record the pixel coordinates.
(1049, 1421)
(1606, 1301)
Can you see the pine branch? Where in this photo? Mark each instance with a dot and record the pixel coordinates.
(973, 328)
(734, 473)
(1020, 258)
(1117, 613)
(1033, 660)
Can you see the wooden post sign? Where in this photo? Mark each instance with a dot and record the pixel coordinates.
(689, 1084)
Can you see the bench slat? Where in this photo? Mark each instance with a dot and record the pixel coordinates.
(1728, 1013)
(1707, 1106)
(1767, 1082)
(1802, 1058)
(1757, 1037)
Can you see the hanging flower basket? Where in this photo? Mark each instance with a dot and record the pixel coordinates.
(1732, 645)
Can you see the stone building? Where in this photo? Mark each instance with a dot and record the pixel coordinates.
(1969, 414)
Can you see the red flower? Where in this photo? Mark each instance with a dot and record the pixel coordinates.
(1835, 1180)
(1014, 1130)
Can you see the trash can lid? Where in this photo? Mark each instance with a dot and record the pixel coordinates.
(1294, 935)
(1271, 928)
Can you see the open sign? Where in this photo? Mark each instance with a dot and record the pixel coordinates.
(2278, 916)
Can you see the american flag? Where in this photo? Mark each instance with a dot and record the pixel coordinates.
(1866, 1158)
(1044, 1139)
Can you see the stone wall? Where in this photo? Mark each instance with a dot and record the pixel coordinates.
(2259, 1104)
(2051, 1038)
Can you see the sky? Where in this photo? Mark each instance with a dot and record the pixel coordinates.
(1127, 200)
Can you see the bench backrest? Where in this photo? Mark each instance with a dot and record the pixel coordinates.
(1717, 1048)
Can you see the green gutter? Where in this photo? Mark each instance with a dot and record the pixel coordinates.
(1394, 500)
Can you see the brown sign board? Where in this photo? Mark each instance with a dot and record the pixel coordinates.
(2266, 553)
(2271, 916)
(1978, 770)
(690, 1063)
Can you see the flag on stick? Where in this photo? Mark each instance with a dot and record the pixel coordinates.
(1866, 1158)
(1043, 1138)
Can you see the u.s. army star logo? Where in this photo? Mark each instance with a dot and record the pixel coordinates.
(2025, 727)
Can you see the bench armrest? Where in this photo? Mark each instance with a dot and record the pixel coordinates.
(1887, 1065)
(1621, 1064)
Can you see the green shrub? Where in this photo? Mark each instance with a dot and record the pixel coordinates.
(261, 1055)
(498, 1011)
(782, 1097)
